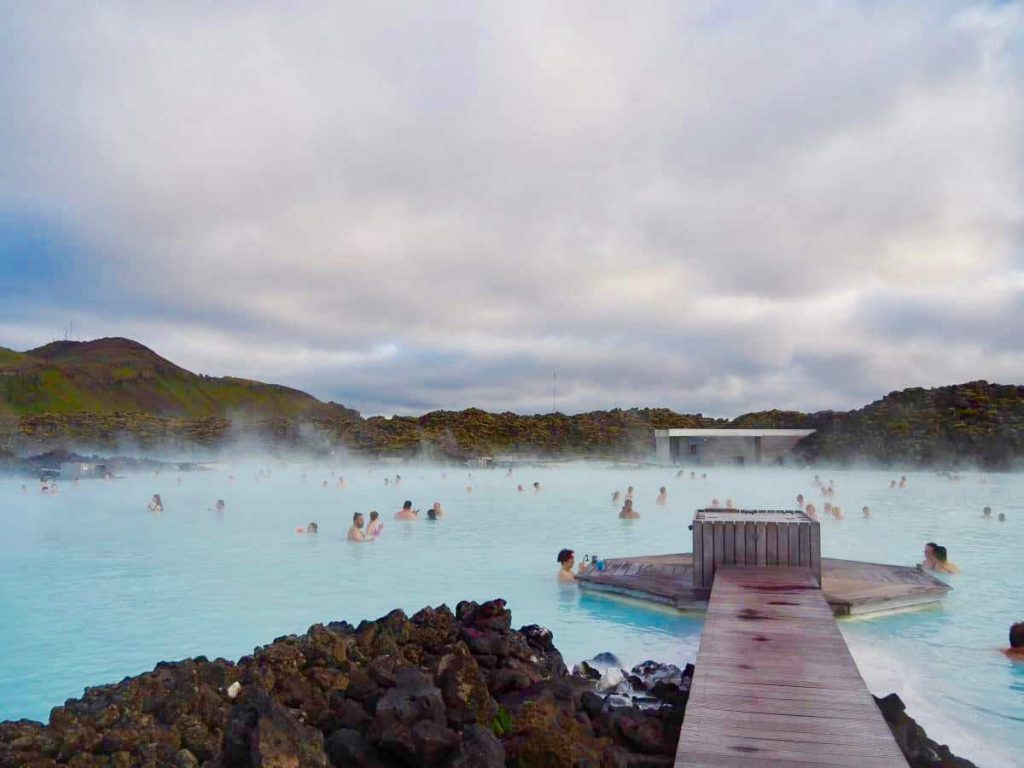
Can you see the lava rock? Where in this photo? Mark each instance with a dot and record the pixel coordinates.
(261, 733)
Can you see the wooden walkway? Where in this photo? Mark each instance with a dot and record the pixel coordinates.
(850, 587)
(775, 684)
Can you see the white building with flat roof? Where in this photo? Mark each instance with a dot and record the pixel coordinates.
(727, 446)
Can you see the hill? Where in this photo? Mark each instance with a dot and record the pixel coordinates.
(115, 375)
(104, 392)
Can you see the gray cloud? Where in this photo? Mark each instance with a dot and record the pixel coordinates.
(710, 207)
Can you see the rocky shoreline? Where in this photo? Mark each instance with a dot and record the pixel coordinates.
(455, 689)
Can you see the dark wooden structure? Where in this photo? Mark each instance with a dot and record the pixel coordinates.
(775, 684)
(762, 538)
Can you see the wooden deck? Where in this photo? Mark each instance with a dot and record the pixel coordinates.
(851, 588)
(775, 684)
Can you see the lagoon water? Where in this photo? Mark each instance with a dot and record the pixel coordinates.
(94, 587)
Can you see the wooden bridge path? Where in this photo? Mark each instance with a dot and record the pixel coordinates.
(775, 684)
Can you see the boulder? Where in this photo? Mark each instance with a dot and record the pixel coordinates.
(261, 733)
(413, 698)
(480, 749)
(464, 689)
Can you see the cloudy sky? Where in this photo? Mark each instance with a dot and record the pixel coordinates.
(715, 207)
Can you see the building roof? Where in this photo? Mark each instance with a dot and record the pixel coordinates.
(733, 432)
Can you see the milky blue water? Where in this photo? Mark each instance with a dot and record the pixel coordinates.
(94, 587)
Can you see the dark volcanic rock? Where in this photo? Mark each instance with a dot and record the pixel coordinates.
(261, 733)
(918, 749)
(459, 690)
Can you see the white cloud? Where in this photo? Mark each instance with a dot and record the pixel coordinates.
(428, 205)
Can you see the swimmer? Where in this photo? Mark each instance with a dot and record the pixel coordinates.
(1016, 649)
(398, 479)
(811, 512)
(716, 504)
(629, 492)
(469, 489)
(155, 504)
(837, 513)
(662, 499)
(341, 482)
(903, 481)
(437, 509)
(627, 512)
(865, 513)
(219, 506)
(536, 487)
(892, 485)
(407, 512)
(325, 484)
(432, 514)
(800, 500)
(566, 558)
(616, 496)
(509, 473)
(693, 475)
(680, 473)
(376, 527)
(943, 565)
(929, 562)
(728, 504)
(312, 528)
(987, 513)
(24, 489)
(387, 481)
(1002, 518)
(520, 488)
(355, 532)
(703, 475)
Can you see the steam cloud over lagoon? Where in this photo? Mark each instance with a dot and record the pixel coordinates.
(716, 208)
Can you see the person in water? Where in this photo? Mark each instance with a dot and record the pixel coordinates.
(942, 563)
(616, 496)
(800, 500)
(811, 512)
(437, 509)
(520, 488)
(374, 529)
(156, 504)
(1002, 518)
(629, 493)
(627, 512)
(407, 512)
(1016, 649)
(865, 512)
(355, 532)
(662, 499)
(987, 513)
(432, 514)
(536, 487)
(566, 559)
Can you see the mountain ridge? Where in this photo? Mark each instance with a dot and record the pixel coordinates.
(109, 390)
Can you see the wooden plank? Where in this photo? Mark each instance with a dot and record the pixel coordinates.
(761, 537)
(719, 544)
(772, 544)
(750, 542)
(794, 543)
(816, 551)
(729, 534)
(698, 554)
(708, 566)
(783, 533)
(804, 546)
(740, 545)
